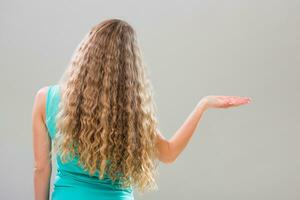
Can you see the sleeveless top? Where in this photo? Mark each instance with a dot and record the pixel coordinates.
(71, 180)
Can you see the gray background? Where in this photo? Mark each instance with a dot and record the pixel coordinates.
(192, 49)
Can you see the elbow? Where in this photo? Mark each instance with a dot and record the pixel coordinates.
(168, 160)
(42, 169)
(168, 157)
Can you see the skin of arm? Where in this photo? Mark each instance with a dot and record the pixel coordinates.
(41, 147)
(169, 150)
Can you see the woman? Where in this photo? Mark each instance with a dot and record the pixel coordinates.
(101, 120)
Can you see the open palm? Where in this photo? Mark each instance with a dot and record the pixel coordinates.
(214, 101)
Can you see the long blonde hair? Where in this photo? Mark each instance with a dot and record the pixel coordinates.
(107, 111)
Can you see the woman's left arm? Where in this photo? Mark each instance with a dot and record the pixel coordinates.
(41, 147)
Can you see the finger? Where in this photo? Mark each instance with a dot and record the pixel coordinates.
(240, 102)
(233, 97)
(234, 100)
(239, 98)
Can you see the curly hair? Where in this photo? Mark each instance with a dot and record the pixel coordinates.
(107, 113)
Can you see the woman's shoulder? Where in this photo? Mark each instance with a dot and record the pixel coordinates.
(43, 93)
(44, 96)
(40, 100)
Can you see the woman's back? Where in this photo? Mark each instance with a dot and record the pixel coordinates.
(71, 180)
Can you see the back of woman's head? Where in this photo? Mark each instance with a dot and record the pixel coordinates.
(107, 111)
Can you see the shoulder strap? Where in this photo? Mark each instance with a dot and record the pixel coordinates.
(52, 101)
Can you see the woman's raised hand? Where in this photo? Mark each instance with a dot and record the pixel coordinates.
(213, 101)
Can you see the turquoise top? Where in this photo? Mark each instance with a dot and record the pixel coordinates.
(71, 180)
